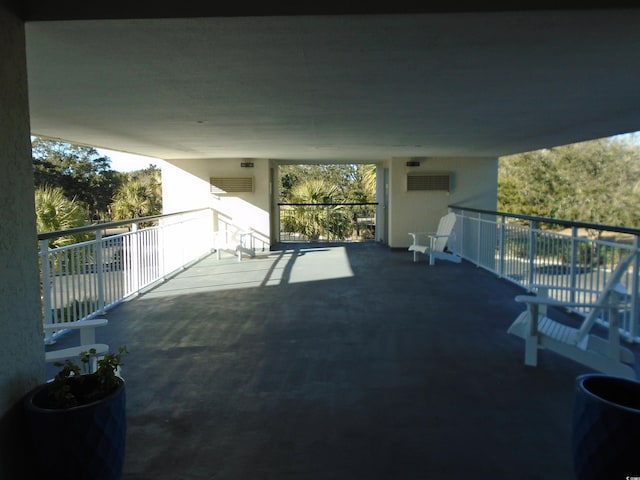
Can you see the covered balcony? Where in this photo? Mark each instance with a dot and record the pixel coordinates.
(337, 360)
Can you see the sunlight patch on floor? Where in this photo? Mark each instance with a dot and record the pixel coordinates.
(316, 264)
(270, 269)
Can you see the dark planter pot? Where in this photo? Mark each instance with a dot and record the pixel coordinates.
(79, 443)
(606, 428)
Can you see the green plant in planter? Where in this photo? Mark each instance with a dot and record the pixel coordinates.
(77, 422)
(71, 387)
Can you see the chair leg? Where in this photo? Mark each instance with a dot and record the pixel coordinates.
(531, 338)
(531, 351)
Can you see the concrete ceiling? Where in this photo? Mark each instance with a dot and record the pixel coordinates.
(336, 87)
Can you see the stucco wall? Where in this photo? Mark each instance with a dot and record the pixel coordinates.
(22, 352)
(185, 186)
(474, 184)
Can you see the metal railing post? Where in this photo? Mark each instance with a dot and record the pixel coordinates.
(574, 258)
(533, 226)
(635, 286)
(479, 240)
(135, 258)
(100, 271)
(211, 230)
(162, 247)
(501, 245)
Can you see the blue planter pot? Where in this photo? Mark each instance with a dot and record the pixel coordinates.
(79, 443)
(606, 428)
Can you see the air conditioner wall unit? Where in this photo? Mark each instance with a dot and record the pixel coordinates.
(421, 182)
(223, 185)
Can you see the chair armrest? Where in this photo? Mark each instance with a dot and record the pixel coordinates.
(86, 327)
(417, 235)
(532, 300)
(95, 322)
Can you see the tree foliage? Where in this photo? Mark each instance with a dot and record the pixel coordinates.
(86, 179)
(79, 171)
(139, 195)
(332, 186)
(54, 211)
(313, 222)
(350, 182)
(136, 197)
(596, 182)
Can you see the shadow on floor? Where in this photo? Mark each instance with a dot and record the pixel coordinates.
(337, 362)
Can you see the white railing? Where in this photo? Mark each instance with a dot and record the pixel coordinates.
(84, 279)
(573, 266)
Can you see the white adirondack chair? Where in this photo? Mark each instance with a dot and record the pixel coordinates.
(604, 354)
(87, 342)
(433, 243)
(236, 240)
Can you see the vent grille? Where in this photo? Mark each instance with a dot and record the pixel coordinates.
(220, 185)
(428, 182)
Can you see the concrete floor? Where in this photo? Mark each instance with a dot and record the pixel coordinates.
(337, 362)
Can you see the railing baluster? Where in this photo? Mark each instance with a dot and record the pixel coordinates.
(573, 263)
(501, 246)
(479, 240)
(532, 252)
(100, 270)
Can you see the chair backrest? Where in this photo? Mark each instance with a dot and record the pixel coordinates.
(603, 298)
(445, 227)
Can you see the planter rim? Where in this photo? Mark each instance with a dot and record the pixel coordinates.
(29, 403)
(582, 379)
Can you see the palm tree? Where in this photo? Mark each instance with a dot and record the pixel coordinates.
(369, 181)
(54, 211)
(313, 222)
(133, 199)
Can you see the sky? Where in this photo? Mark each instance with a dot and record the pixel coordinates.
(127, 162)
